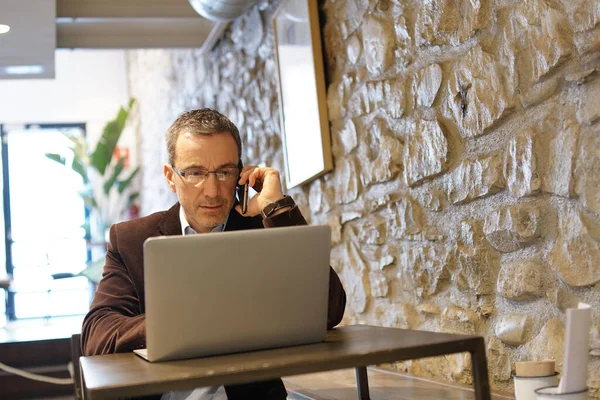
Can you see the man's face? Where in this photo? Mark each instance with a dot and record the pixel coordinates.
(207, 204)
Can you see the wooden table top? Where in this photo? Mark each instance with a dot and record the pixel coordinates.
(126, 374)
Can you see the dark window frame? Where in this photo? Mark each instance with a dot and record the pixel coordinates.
(10, 296)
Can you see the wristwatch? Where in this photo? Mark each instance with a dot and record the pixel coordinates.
(285, 201)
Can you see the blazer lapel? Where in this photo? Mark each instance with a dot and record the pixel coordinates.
(169, 224)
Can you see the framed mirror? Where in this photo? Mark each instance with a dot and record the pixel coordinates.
(302, 92)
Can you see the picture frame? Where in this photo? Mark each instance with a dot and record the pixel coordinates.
(302, 92)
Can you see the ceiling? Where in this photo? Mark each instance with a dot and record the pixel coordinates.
(38, 27)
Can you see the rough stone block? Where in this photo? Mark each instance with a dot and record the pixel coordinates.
(476, 262)
(587, 169)
(344, 137)
(520, 166)
(422, 269)
(315, 196)
(431, 199)
(379, 284)
(562, 298)
(397, 315)
(475, 178)
(393, 98)
(379, 154)
(498, 360)
(521, 280)
(354, 49)
(429, 308)
(450, 22)
(378, 43)
(588, 42)
(372, 230)
(563, 151)
(385, 261)
(595, 338)
(539, 92)
(338, 95)
(575, 255)
(407, 218)
(475, 272)
(460, 320)
(511, 228)
(376, 201)
(548, 344)
(475, 96)
(583, 14)
(426, 84)
(536, 38)
(347, 184)
(333, 220)
(359, 102)
(355, 277)
(589, 112)
(513, 329)
(425, 153)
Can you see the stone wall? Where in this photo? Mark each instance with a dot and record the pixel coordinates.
(466, 190)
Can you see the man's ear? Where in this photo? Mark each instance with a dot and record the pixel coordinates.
(168, 171)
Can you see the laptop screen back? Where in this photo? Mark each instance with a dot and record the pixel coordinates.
(218, 293)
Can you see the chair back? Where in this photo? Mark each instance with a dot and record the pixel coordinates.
(75, 354)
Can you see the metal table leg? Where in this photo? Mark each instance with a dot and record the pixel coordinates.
(362, 383)
(481, 383)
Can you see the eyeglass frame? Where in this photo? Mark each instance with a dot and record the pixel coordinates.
(205, 176)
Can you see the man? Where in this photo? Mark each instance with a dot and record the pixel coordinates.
(204, 149)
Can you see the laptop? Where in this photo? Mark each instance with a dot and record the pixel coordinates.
(227, 292)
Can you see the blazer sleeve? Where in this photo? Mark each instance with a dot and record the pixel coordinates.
(337, 295)
(114, 323)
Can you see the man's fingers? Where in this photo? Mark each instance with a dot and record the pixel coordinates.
(256, 176)
(246, 171)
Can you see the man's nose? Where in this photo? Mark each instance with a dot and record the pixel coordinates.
(210, 186)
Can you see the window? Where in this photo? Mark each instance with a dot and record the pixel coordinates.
(44, 219)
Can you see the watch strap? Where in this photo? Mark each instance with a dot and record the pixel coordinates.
(285, 201)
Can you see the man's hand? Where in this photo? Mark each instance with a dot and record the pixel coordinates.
(266, 182)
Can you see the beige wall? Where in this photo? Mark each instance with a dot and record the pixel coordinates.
(466, 190)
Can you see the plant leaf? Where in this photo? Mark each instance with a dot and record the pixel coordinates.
(80, 168)
(106, 146)
(56, 157)
(115, 175)
(124, 184)
(124, 114)
(79, 148)
(89, 200)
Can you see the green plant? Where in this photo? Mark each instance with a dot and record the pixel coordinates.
(107, 194)
(102, 163)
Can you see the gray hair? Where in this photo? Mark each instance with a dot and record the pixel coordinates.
(204, 121)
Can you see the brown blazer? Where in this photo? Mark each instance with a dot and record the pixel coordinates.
(116, 323)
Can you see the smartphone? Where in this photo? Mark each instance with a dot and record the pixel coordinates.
(243, 197)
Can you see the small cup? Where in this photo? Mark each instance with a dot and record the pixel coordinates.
(525, 386)
(550, 393)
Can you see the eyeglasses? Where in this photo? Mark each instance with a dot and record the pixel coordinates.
(194, 176)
